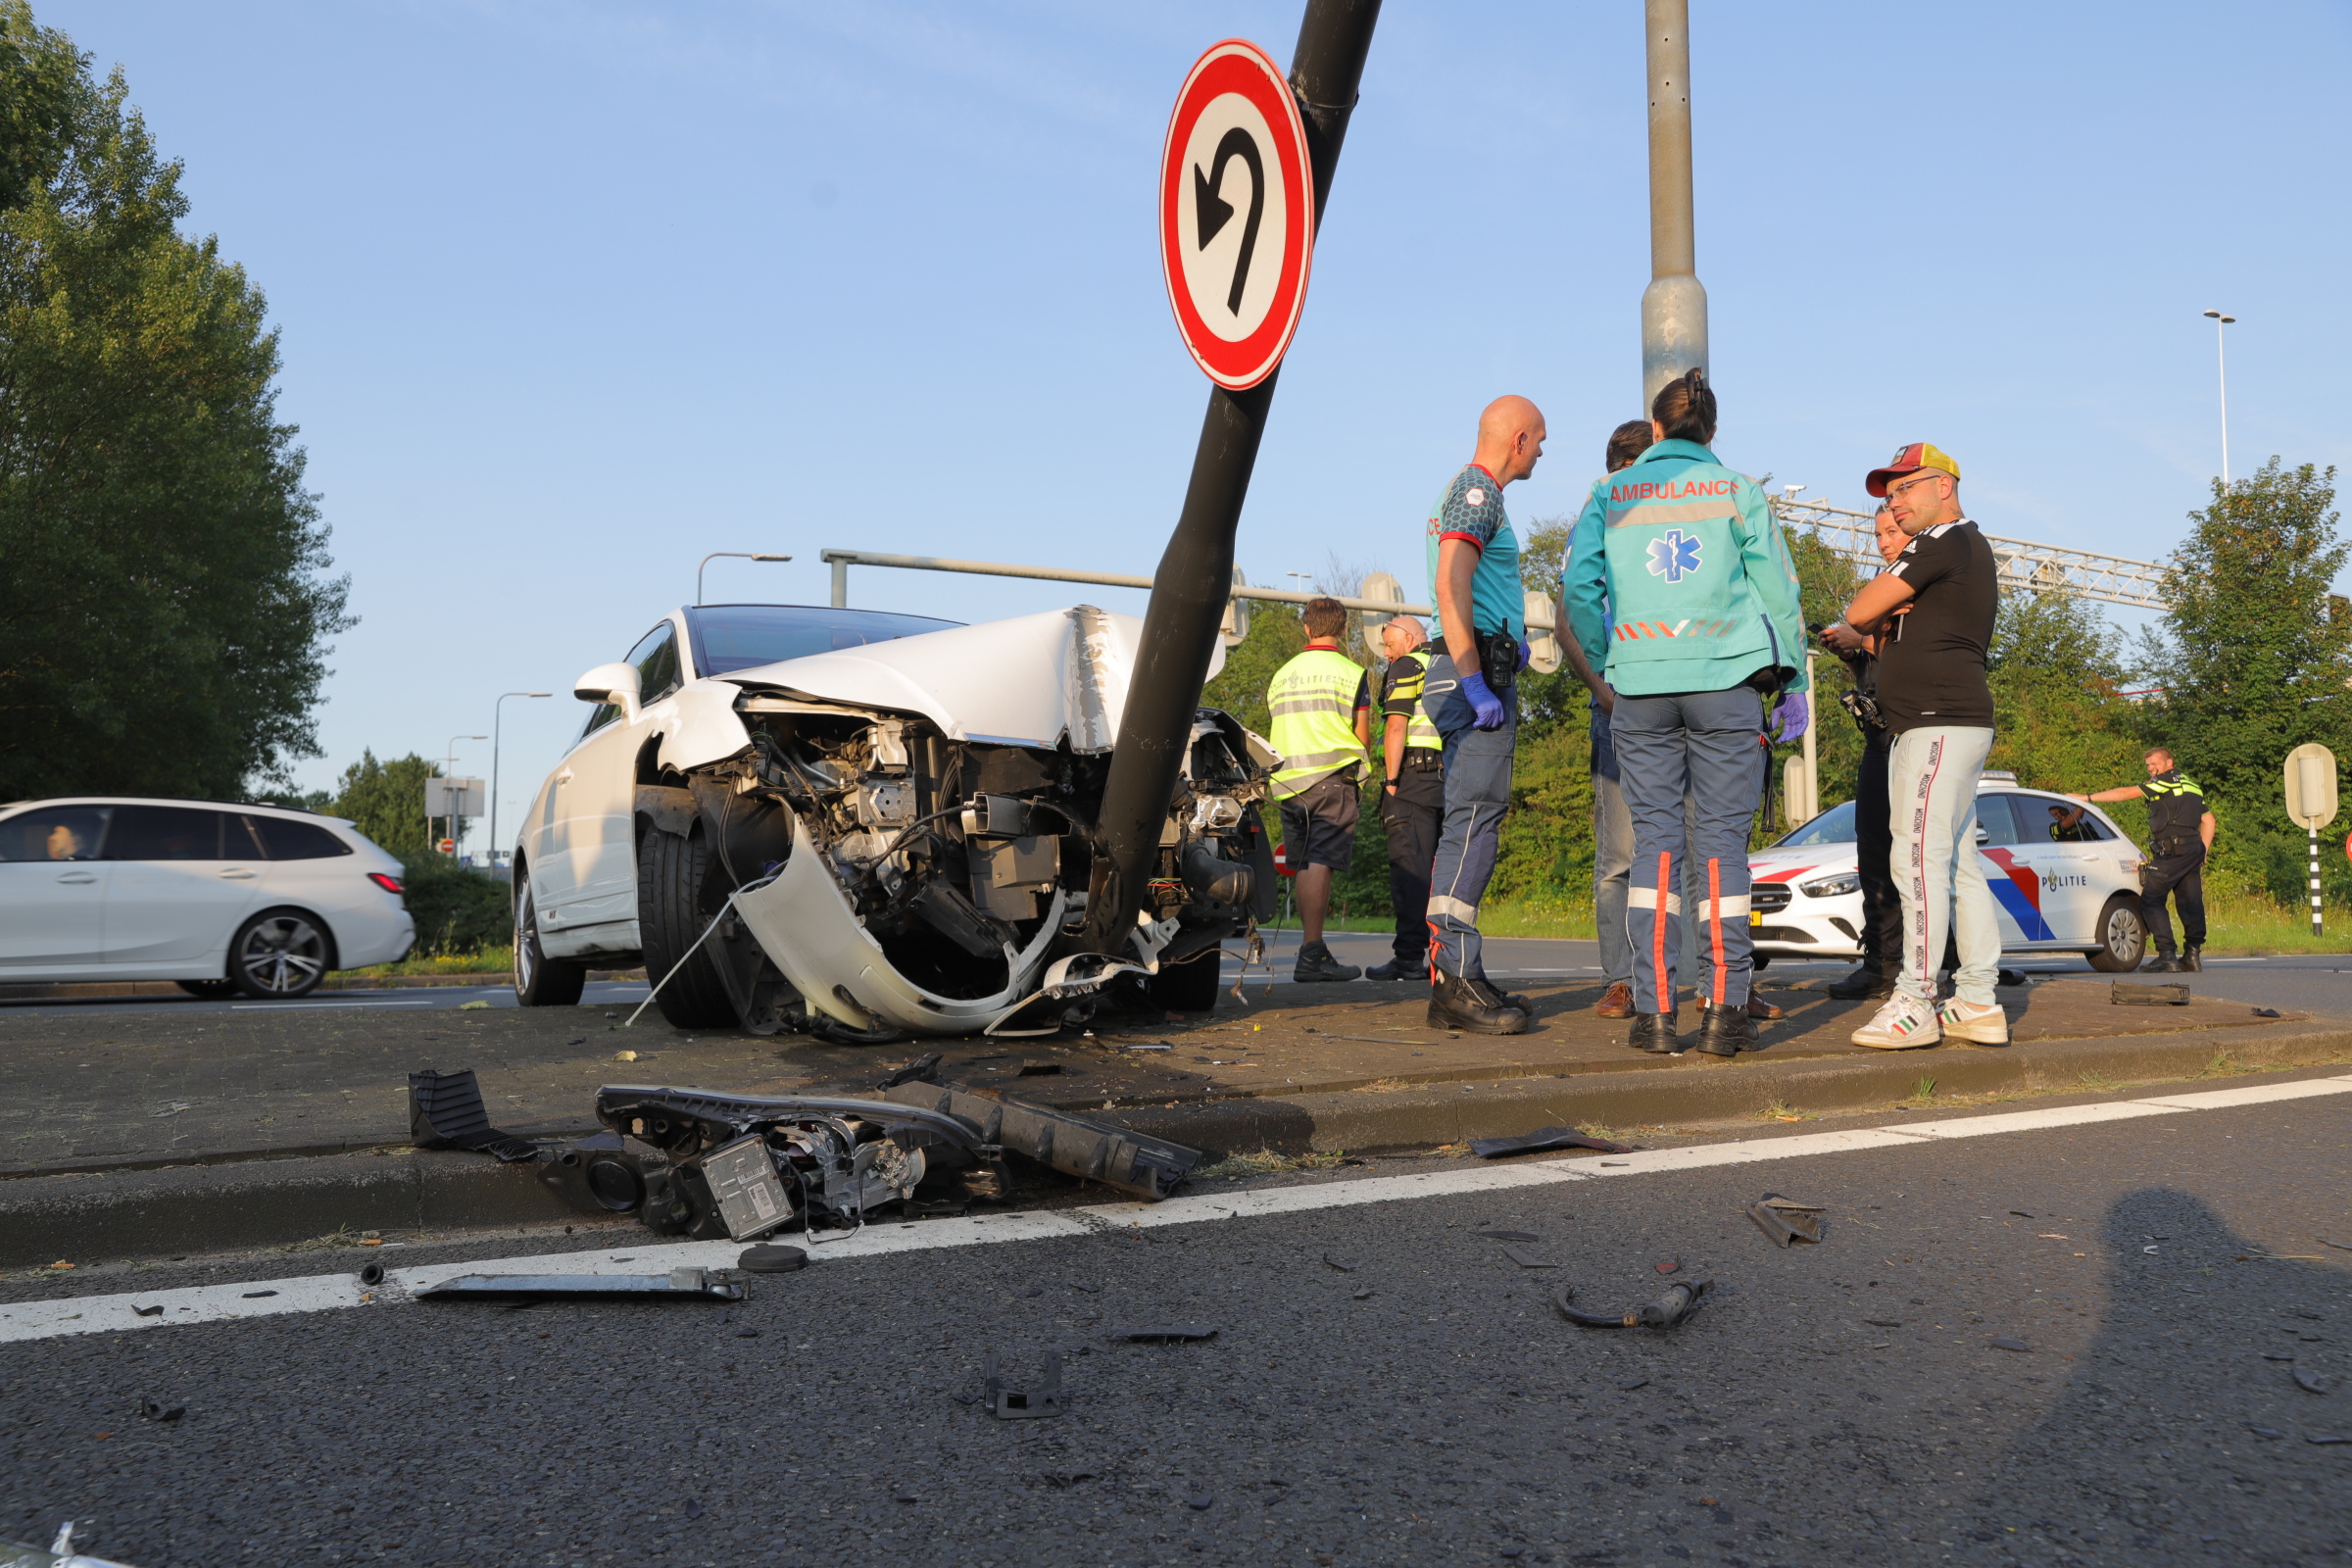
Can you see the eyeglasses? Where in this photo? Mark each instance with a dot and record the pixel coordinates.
(1894, 490)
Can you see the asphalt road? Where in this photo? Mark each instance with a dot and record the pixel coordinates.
(2315, 982)
(2168, 1277)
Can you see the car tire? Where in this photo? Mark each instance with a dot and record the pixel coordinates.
(209, 990)
(1187, 986)
(279, 954)
(539, 980)
(2123, 936)
(679, 893)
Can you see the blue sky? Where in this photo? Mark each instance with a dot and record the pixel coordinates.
(574, 292)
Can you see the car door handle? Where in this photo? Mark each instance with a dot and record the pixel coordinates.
(237, 874)
(79, 876)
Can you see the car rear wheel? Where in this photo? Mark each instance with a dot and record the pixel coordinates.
(209, 990)
(539, 980)
(2123, 934)
(279, 954)
(679, 893)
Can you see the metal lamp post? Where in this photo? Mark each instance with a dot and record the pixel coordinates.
(449, 766)
(733, 555)
(1674, 307)
(498, 717)
(2221, 364)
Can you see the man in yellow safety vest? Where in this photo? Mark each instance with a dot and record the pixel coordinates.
(1413, 799)
(1312, 699)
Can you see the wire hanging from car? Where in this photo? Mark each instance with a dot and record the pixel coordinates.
(723, 910)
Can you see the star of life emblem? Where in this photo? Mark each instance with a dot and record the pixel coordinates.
(1674, 555)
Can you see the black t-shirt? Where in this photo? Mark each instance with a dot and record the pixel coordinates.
(1932, 661)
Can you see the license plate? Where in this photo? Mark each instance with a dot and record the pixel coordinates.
(1755, 917)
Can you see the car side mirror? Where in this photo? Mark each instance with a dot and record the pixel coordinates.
(616, 684)
(1984, 834)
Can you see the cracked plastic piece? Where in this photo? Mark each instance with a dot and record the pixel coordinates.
(1547, 1138)
(701, 1284)
(1092, 1151)
(61, 1553)
(1675, 1305)
(922, 1069)
(2126, 995)
(1167, 1331)
(446, 1111)
(1024, 1405)
(1784, 1225)
(1527, 1259)
(597, 1175)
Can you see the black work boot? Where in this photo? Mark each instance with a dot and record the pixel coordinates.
(2192, 959)
(2162, 963)
(1455, 1004)
(1495, 997)
(1399, 969)
(1315, 963)
(1725, 1031)
(1654, 1032)
(1867, 984)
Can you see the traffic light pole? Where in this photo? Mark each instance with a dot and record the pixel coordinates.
(1195, 573)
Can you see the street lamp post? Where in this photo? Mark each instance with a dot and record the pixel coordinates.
(1674, 307)
(2221, 364)
(737, 555)
(449, 766)
(498, 717)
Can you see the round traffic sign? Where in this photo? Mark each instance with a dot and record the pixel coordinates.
(1236, 213)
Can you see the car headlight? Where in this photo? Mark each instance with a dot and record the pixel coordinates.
(1834, 887)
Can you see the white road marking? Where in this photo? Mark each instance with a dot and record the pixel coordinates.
(356, 1002)
(318, 1293)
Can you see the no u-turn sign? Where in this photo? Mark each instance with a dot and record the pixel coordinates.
(1236, 213)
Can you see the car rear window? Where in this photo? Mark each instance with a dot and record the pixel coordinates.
(286, 840)
(54, 833)
(732, 637)
(164, 833)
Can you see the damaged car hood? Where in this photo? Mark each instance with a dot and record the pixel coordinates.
(959, 679)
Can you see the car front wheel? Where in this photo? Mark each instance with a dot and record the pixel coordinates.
(539, 980)
(279, 954)
(2123, 936)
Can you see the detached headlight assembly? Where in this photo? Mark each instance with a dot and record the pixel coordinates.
(1834, 887)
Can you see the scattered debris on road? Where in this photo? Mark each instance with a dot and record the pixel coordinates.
(1342, 1264)
(1545, 1138)
(446, 1111)
(1786, 1220)
(157, 1410)
(1022, 1405)
(771, 1259)
(2005, 1342)
(1676, 1305)
(706, 1283)
(61, 1553)
(1166, 1333)
(2310, 1382)
(2124, 993)
(1527, 1259)
(1508, 1236)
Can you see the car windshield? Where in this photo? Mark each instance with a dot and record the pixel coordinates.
(732, 637)
(1832, 826)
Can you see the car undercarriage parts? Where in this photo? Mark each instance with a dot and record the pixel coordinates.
(705, 1284)
(446, 1111)
(1548, 1137)
(743, 1181)
(597, 1173)
(771, 1258)
(1676, 1305)
(1023, 1404)
(1131, 1161)
(1786, 1220)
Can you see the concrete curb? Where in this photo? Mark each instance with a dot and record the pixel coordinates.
(260, 1202)
(100, 990)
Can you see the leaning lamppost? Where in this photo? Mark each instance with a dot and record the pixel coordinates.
(1674, 307)
(496, 719)
(728, 555)
(2220, 371)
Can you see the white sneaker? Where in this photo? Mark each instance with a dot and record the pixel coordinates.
(1901, 1022)
(1987, 1026)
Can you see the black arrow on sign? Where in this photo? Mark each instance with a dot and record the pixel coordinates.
(1214, 209)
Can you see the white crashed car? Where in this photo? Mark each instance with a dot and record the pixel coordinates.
(902, 808)
(2064, 879)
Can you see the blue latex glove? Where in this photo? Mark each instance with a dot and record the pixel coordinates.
(1482, 703)
(1792, 717)
(1525, 653)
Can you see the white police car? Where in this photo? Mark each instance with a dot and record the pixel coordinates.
(2064, 879)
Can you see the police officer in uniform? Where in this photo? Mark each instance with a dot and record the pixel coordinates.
(1312, 700)
(2181, 831)
(1412, 795)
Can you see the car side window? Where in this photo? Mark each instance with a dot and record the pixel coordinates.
(55, 833)
(2059, 821)
(164, 833)
(657, 662)
(297, 841)
(1993, 815)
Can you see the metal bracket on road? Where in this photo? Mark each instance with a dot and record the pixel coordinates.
(708, 1284)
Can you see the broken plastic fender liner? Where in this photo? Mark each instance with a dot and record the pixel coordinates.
(1131, 1161)
(446, 1111)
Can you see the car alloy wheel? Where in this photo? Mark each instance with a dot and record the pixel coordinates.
(280, 956)
(2123, 936)
(526, 951)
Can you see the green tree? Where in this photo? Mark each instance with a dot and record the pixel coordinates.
(163, 607)
(2256, 655)
(386, 802)
(2061, 721)
(456, 910)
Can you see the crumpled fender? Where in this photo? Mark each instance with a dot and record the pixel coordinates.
(703, 727)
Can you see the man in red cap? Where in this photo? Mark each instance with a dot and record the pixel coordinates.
(1934, 698)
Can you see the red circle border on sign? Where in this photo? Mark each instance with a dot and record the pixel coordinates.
(1236, 64)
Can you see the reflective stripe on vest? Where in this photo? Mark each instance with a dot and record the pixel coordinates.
(1419, 729)
(1312, 700)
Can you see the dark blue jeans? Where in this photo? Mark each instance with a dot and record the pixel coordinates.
(1706, 746)
(1478, 791)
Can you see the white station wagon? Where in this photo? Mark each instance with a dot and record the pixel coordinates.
(223, 898)
(2064, 879)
